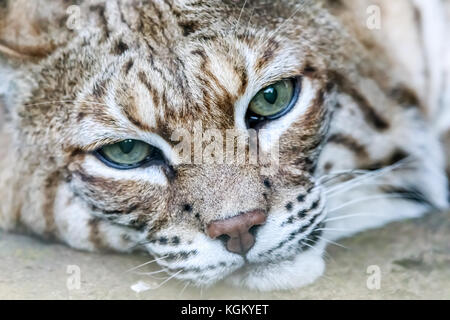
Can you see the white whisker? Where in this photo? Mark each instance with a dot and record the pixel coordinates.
(351, 216)
(377, 197)
(168, 279)
(240, 15)
(182, 290)
(147, 263)
(337, 174)
(315, 249)
(332, 242)
(64, 101)
(362, 184)
(332, 229)
(150, 273)
(296, 11)
(373, 174)
(157, 278)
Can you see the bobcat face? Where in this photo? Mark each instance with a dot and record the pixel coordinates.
(146, 93)
(93, 127)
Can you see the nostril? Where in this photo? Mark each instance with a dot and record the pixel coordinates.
(253, 230)
(224, 238)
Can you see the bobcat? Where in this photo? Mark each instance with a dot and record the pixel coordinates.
(353, 96)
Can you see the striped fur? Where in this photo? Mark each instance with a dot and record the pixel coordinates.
(141, 70)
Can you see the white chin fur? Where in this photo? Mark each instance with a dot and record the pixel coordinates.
(303, 270)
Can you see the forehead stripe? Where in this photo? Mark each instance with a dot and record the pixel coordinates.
(370, 114)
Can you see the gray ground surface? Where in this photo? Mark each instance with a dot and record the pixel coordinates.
(413, 257)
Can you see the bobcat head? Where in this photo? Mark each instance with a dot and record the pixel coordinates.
(116, 118)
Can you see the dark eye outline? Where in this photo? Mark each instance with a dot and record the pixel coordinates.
(254, 121)
(155, 158)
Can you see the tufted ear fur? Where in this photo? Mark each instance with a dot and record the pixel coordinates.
(31, 29)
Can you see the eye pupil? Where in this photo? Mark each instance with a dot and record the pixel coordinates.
(127, 146)
(271, 95)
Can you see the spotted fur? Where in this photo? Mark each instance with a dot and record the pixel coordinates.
(363, 146)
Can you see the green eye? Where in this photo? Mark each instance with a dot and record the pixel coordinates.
(273, 100)
(126, 154)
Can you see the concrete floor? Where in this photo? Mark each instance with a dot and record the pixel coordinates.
(413, 258)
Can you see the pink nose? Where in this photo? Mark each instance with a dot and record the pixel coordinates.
(235, 231)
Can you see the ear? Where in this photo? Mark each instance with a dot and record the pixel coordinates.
(31, 29)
